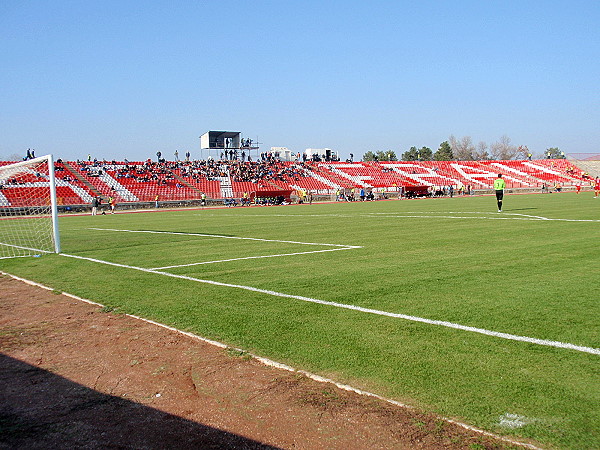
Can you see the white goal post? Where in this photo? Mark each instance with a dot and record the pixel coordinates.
(28, 209)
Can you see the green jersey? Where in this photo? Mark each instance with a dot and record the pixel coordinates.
(499, 184)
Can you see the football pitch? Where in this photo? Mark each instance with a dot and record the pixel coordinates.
(489, 318)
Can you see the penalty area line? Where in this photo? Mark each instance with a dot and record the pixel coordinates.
(513, 337)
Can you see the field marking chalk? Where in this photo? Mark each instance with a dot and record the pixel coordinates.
(24, 248)
(177, 233)
(16, 256)
(513, 337)
(527, 215)
(278, 365)
(495, 216)
(251, 257)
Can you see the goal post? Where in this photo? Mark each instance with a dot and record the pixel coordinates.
(28, 208)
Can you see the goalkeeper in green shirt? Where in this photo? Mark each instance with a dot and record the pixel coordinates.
(499, 185)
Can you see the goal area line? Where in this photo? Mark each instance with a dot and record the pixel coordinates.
(250, 257)
(181, 233)
(338, 247)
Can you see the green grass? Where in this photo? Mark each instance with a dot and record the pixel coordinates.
(455, 260)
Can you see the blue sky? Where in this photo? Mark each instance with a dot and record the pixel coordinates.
(124, 79)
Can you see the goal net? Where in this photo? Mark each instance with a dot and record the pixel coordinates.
(28, 213)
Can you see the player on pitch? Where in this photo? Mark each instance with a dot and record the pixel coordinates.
(499, 185)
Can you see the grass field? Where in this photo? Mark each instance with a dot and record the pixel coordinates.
(532, 271)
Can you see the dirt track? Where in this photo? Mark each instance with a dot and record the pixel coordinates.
(72, 375)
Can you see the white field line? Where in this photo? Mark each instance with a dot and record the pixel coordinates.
(434, 215)
(227, 237)
(416, 216)
(535, 217)
(496, 216)
(557, 344)
(278, 365)
(24, 248)
(251, 257)
(16, 256)
(281, 215)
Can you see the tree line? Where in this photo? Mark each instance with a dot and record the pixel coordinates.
(463, 149)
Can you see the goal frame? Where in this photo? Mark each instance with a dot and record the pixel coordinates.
(52, 187)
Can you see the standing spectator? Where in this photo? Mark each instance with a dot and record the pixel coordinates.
(176, 155)
(95, 204)
(156, 200)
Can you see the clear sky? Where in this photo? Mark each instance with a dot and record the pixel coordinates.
(124, 79)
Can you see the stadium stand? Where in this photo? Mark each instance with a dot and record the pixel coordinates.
(129, 182)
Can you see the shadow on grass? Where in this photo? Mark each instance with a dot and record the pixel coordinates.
(39, 409)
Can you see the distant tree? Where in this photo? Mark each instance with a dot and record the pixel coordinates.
(425, 154)
(369, 156)
(388, 155)
(380, 155)
(481, 153)
(463, 149)
(418, 154)
(522, 152)
(554, 153)
(411, 155)
(503, 149)
(444, 153)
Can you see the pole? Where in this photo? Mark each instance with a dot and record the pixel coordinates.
(53, 204)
